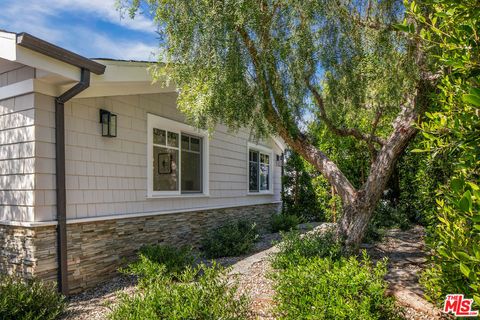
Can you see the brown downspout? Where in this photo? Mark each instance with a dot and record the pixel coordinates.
(60, 177)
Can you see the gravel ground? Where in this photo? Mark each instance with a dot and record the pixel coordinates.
(403, 248)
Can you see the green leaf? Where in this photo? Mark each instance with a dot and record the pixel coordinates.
(456, 185)
(477, 299)
(463, 256)
(402, 27)
(465, 204)
(471, 99)
(465, 270)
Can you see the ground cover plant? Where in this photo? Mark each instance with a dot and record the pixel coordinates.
(29, 299)
(232, 239)
(179, 292)
(283, 222)
(313, 279)
(152, 257)
(326, 288)
(295, 247)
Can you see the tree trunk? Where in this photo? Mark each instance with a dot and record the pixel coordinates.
(357, 214)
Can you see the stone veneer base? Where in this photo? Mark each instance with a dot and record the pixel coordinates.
(97, 249)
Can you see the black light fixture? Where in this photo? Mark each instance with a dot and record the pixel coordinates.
(109, 123)
(279, 161)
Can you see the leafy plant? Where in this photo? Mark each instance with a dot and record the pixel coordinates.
(232, 239)
(198, 293)
(283, 222)
(448, 29)
(299, 197)
(29, 299)
(295, 248)
(156, 259)
(326, 288)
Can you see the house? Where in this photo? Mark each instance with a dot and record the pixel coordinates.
(96, 161)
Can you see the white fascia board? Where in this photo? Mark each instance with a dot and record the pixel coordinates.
(9, 50)
(122, 72)
(279, 142)
(16, 89)
(108, 89)
(7, 46)
(40, 61)
(28, 86)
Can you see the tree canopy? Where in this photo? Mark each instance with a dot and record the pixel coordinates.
(278, 65)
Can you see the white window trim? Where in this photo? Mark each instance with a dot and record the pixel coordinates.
(265, 150)
(156, 121)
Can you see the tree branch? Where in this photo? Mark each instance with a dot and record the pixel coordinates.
(299, 141)
(344, 132)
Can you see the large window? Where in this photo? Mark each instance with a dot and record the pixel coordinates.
(178, 155)
(259, 170)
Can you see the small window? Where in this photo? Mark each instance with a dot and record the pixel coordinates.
(259, 171)
(178, 159)
(165, 161)
(191, 164)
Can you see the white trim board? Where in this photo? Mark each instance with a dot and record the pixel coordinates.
(155, 121)
(264, 150)
(126, 216)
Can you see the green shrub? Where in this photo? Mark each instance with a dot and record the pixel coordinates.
(283, 222)
(295, 247)
(322, 288)
(29, 299)
(386, 216)
(232, 239)
(155, 260)
(200, 293)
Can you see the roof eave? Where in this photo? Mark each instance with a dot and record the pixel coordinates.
(28, 41)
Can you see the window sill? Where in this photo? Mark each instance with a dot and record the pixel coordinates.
(175, 196)
(269, 193)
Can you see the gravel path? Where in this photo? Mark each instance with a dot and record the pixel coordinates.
(406, 259)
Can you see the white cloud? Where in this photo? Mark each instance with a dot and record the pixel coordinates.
(36, 17)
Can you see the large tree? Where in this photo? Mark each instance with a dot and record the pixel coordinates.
(271, 64)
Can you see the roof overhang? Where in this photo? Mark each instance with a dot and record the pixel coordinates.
(28, 41)
(57, 69)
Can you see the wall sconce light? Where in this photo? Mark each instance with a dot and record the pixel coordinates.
(279, 160)
(109, 123)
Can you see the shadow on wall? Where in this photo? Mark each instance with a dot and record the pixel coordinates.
(17, 158)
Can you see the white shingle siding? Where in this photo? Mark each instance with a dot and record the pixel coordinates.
(17, 156)
(106, 176)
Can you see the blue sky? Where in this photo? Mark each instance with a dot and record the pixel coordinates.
(92, 28)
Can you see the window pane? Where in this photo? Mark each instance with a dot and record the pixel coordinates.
(185, 142)
(159, 136)
(191, 172)
(165, 172)
(195, 144)
(264, 177)
(172, 140)
(253, 171)
(264, 158)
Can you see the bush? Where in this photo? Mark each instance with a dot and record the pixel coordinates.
(295, 247)
(386, 216)
(322, 288)
(283, 222)
(155, 260)
(29, 299)
(232, 239)
(200, 293)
